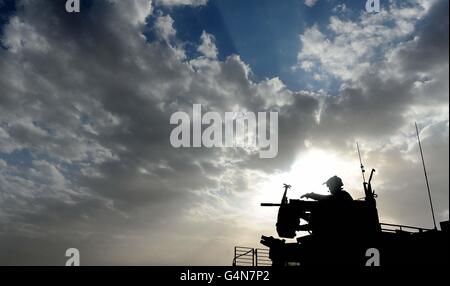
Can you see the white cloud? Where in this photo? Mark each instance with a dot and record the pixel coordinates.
(181, 2)
(164, 27)
(348, 48)
(310, 3)
(340, 8)
(20, 36)
(136, 12)
(208, 47)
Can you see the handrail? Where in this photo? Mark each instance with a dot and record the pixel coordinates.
(245, 253)
(401, 227)
(251, 256)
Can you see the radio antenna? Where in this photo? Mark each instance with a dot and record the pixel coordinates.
(426, 176)
(360, 162)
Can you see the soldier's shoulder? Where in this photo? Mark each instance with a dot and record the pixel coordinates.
(346, 195)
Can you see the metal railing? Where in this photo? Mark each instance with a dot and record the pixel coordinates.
(247, 256)
(405, 228)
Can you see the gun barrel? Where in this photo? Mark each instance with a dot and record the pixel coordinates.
(270, 205)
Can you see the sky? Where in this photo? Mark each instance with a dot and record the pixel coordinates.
(86, 100)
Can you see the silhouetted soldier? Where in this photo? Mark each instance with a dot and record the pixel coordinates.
(334, 209)
(330, 223)
(334, 184)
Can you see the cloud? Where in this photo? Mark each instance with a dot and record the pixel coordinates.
(164, 29)
(429, 47)
(310, 3)
(340, 8)
(208, 47)
(349, 47)
(181, 2)
(99, 130)
(382, 89)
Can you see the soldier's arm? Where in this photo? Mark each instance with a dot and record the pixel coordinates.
(315, 196)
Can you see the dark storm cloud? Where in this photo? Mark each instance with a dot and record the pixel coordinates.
(372, 108)
(90, 92)
(403, 194)
(430, 48)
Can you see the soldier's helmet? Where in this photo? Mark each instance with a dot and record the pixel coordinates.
(334, 182)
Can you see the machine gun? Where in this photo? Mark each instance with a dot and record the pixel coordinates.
(290, 212)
